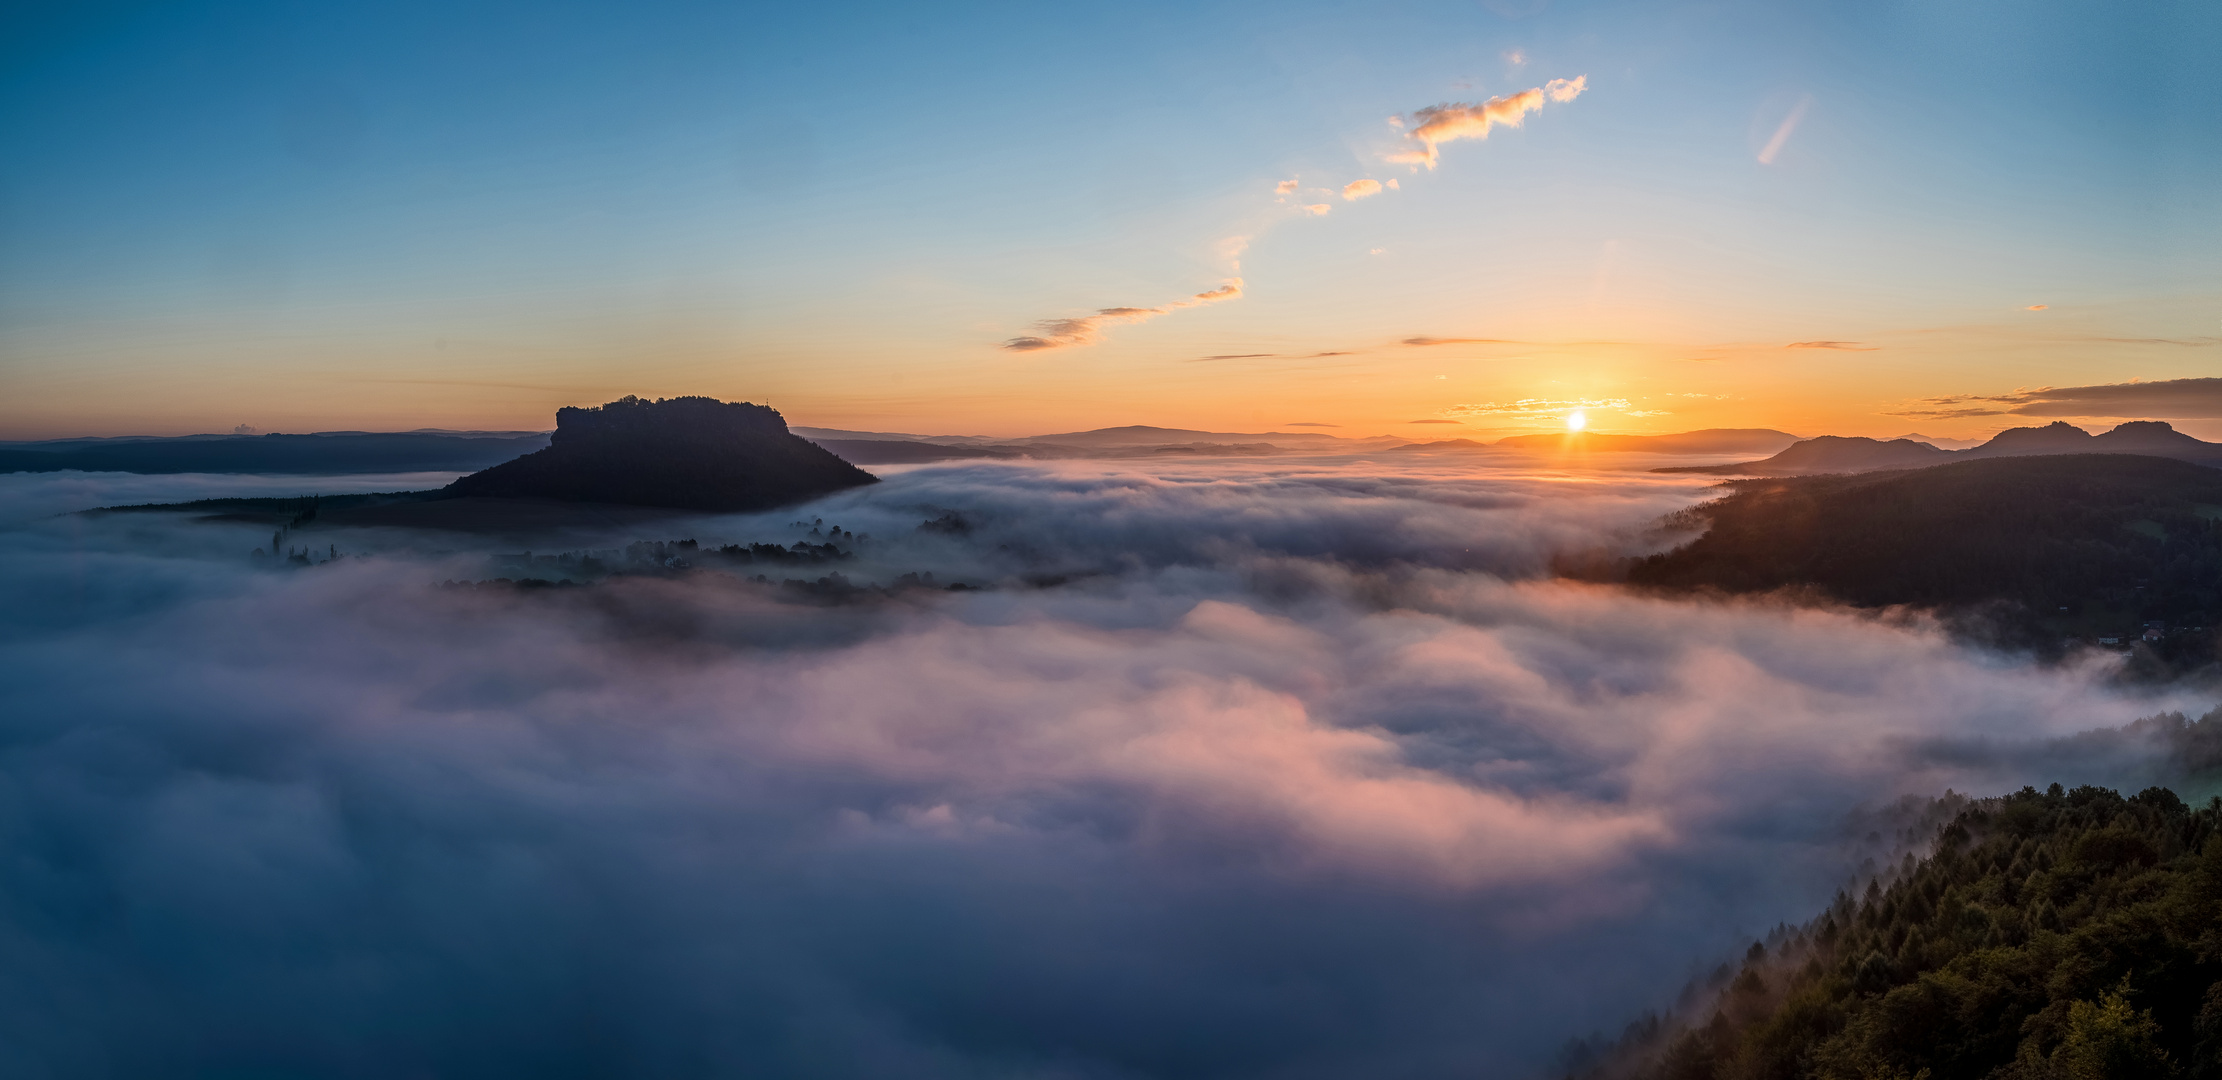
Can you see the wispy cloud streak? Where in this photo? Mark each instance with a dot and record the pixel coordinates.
(1546, 408)
(1087, 329)
(2167, 399)
(1783, 132)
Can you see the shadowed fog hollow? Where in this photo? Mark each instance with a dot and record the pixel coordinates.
(1241, 770)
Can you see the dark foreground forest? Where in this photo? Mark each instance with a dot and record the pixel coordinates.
(2056, 935)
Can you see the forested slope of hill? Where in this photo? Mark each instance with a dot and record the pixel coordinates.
(2058, 935)
(2070, 545)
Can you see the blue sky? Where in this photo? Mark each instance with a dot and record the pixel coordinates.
(303, 216)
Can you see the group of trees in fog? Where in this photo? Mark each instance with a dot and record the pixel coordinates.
(663, 558)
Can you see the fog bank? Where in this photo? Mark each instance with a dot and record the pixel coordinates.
(1226, 769)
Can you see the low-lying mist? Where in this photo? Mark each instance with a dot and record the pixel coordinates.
(1221, 769)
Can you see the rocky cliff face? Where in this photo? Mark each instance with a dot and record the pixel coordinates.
(690, 453)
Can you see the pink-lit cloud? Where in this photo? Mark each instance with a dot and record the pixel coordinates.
(1428, 341)
(1087, 329)
(1359, 189)
(1438, 124)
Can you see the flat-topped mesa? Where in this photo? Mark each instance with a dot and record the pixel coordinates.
(689, 453)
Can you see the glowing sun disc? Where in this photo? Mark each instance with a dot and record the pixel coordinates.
(1575, 421)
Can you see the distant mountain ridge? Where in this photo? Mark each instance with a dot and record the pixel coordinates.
(1702, 441)
(1142, 440)
(1131, 441)
(1130, 435)
(1937, 441)
(332, 452)
(1834, 453)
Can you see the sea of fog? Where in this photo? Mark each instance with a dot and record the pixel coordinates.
(1281, 768)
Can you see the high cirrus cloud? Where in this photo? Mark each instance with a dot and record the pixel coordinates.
(1086, 329)
(2166, 399)
(1434, 125)
(1211, 723)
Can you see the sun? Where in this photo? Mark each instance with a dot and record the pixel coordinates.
(1575, 421)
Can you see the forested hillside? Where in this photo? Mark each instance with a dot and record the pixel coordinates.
(2057, 935)
(2085, 546)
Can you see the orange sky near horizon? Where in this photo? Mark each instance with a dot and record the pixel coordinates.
(1418, 388)
(1420, 223)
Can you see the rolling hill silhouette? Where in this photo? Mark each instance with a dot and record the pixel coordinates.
(325, 453)
(1835, 453)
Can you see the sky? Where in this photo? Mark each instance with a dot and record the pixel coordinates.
(1847, 218)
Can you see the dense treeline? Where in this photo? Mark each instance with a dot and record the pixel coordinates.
(2117, 540)
(2057, 935)
(674, 557)
(289, 511)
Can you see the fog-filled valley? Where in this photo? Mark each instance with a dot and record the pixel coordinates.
(1508, 539)
(1296, 767)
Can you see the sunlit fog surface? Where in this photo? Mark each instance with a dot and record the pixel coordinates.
(1309, 768)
